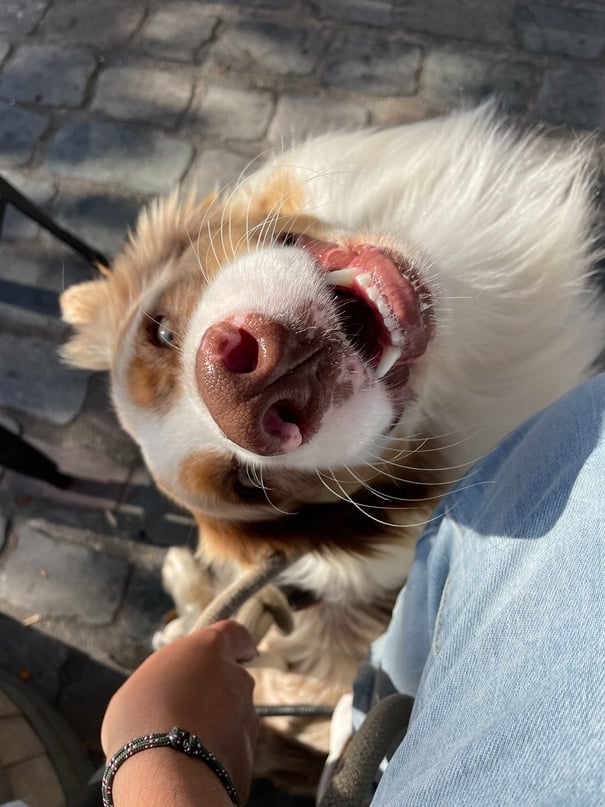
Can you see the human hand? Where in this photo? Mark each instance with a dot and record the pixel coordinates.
(197, 683)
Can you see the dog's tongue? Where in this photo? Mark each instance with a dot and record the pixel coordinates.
(372, 271)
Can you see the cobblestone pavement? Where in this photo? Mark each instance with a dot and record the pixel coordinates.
(103, 105)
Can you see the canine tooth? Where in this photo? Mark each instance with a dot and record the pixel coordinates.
(364, 280)
(390, 354)
(373, 293)
(341, 277)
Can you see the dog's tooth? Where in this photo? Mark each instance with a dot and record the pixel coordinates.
(396, 337)
(373, 293)
(390, 354)
(364, 280)
(382, 306)
(390, 323)
(341, 277)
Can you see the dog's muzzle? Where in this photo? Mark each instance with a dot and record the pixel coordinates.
(268, 386)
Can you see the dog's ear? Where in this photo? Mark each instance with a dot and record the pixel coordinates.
(84, 306)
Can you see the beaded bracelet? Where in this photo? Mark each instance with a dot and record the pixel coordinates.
(176, 738)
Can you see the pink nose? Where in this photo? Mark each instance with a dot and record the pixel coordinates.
(266, 386)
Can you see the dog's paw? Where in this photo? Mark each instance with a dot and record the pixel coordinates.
(181, 626)
(185, 580)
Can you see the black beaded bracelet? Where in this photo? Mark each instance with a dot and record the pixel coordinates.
(176, 738)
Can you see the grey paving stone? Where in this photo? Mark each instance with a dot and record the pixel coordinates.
(143, 93)
(387, 67)
(33, 380)
(477, 20)
(176, 30)
(101, 219)
(18, 227)
(103, 23)
(20, 130)
(27, 653)
(46, 269)
(575, 32)
(574, 96)
(86, 687)
(144, 608)
(372, 12)
(138, 159)
(3, 526)
(61, 579)
(20, 16)
(450, 78)
(298, 117)
(267, 47)
(47, 74)
(227, 113)
(214, 169)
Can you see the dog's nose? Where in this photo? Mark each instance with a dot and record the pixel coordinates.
(264, 383)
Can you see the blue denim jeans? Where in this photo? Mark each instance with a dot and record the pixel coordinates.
(499, 633)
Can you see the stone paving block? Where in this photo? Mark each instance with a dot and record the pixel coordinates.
(372, 12)
(138, 159)
(574, 96)
(298, 117)
(103, 23)
(143, 93)
(20, 130)
(27, 653)
(143, 613)
(450, 78)
(575, 32)
(35, 783)
(18, 227)
(17, 740)
(176, 30)
(4, 48)
(20, 16)
(34, 380)
(86, 688)
(7, 707)
(477, 20)
(227, 113)
(267, 47)
(386, 67)
(101, 219)
(47, 74)
(62, 579)
(215, 169)
(42, 270)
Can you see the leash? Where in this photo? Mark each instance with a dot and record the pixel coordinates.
(260, 604)
(15, 452)
(9, 195)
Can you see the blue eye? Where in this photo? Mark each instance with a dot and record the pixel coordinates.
(164, 333)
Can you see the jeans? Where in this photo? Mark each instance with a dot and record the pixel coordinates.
(499, 633)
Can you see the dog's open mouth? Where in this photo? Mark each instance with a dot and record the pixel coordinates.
(384, 308)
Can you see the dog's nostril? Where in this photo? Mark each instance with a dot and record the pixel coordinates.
(240, 355)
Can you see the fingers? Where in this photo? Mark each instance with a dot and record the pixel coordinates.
(239, 645)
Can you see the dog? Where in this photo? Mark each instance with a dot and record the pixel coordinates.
(309, 360)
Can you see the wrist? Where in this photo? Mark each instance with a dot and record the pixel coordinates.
(161, 777)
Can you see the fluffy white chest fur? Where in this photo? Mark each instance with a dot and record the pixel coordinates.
(310, 360)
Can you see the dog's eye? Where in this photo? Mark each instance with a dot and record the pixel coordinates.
(163, 334)
(245, 485)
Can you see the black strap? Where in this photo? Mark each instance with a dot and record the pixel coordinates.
(9, 194)
(15, 452)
